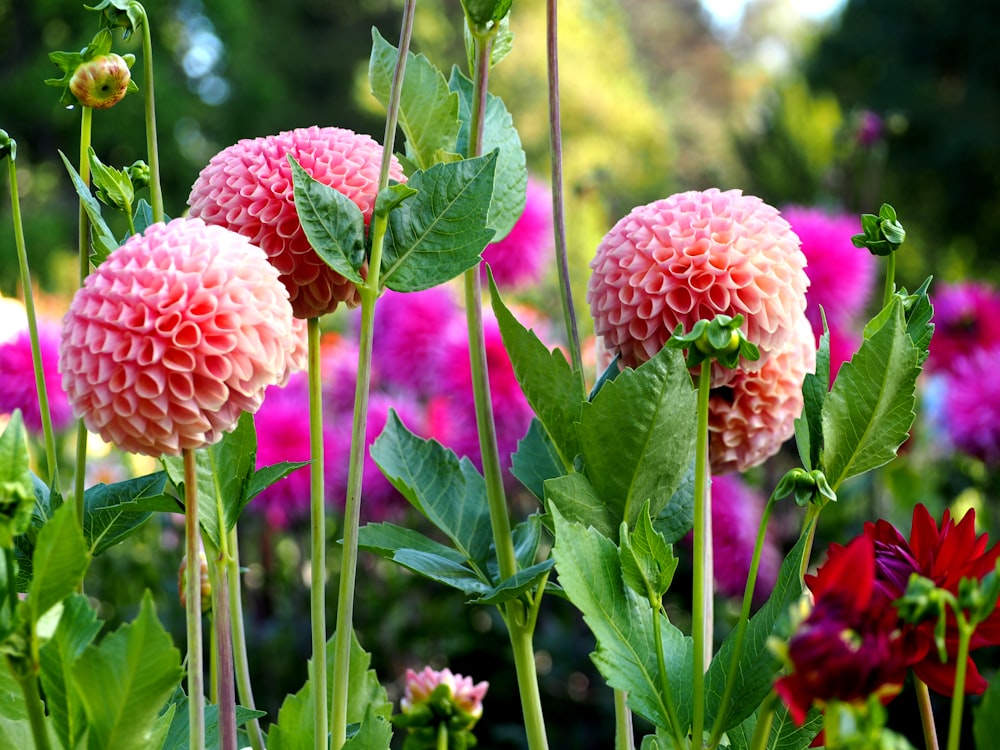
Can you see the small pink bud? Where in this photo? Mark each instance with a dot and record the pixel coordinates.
(102, 82)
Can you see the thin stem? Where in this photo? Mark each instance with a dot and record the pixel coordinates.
(80, 477)
(809, 524)
(317, 540)
(8, 556)
(223, 690)
(765, 717)
(624, 734)
(213, 654)
(35, 707)
(241, 662)
(926, 714)
(152, 151)
(702, 589)
(661, 664)
(527, 682)
(195, 658)
(29, 308)
(741, 626)
(558, 196)
(890, 279)
(965, 630)
(442, 738)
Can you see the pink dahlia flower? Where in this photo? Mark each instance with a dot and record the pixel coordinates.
(841, 276)
(971, 408)
(17, 379)
(519, 259)
(751, 417)
(248, 188)
(466, 696)
(173, 336)
(966, 319)
(736, 514)
(690, 257)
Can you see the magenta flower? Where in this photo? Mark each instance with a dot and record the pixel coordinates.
(17, 379)
(971, 408)
(248, 188)
(690, 257)
(173, 336)
(520, 258)
(966, 319)
(751, 417)
(736, 514)
(841, 276)
(465, 695)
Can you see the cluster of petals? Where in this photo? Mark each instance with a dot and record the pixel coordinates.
(736, 512)
(176, 334)
(690, 257)
(848, 647)
(520, 258)
(966, 320)
(944, 554)
(750, 418)
(466, 695)
(971, 405)
(248, 188)
(18, 388)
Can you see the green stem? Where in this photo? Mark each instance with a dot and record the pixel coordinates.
(35, 707)
(241, 663)
(558, 197)
(926, 714)
(213, 652)
(765, 717)
(29, 308)
(195, 658)
(661, 664)
(809, 524)
(527, 682)
(80, 477)
(8, 556)
(702, 588)
(624, 736)
(965, 630)
(890, 279)
(741, 626)
(223, 681)
(317, 540)
(442, 738)
(152, 151)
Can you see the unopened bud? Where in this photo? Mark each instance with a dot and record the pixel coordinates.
(139, 174)
(102, 82)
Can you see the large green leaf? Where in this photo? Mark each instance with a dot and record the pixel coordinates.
(16, 485)
(386, 539)
(498, 133)
(622, 622)
(677, 517)
(449, 492)
(101, 237)
(441, 231)
(553, 389)
(637, 436)
(757, 666)
(109, 513)
(784, 734)
(577, 501)
(59, 563)
(125, 681)
(868, 412)
(15, 727)
(333, 223)
(986, 717)
(428, 110)
(373, 733)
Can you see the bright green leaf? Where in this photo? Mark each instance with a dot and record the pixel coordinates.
(986, 717)
(536, 460)
(390, 197)
(374, 733)
(109, 513)
(386, 539)
(17, 494)
(15, 728)
(647, 561)
(101, 237)
(578, 501)
(178, 733)
(265, 476)
(59, 563)
(113, 186)
(677, 517)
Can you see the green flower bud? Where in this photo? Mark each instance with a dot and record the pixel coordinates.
(102, 82)
(138, 173)
(8, 146)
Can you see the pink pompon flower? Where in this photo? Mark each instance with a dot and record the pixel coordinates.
(971, 413)
(841, 276)
(736, 512)
(519, 259)
(18, 389)
(966, 319)
(690, 257)
(466, 695)
(751, 417)
(248, 188)
(173, 336)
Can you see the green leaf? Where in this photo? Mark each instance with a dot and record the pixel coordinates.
(868, 412)
(511, 182)
(677, 517)
(333, 223)
(578, 501)
(101, 237)
(525, 579)
(109, 513)
(757, 665)
(441, 231)
(449, 492)
(113, 186)
(919, 313)
(986, 717)
(374, 733)
(15, 728)
(443, 570)
(390, 197)
(503, 43)
(17, 492)
(46, 503)
(809, 424)
(536, 460)
(647, 561)
(553, 389)
(178, 733)
(264, 477)
(386, 538)
(637, 436)
(125, 680)
(428, 110)
(622, 622)
(59, 563)
(77, 628)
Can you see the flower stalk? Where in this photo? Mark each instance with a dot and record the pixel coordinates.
(192, 608)
(926, 714)
(965, 630)
(80, 478)
(701, 606)
(152, 149)
(241, 664)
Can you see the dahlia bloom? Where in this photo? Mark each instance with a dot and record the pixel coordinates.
(736, 514)
(966, 319)
(847, 648)
(17, 379)
(178, 332)
(465, 696)
(749, 419)
(945, 555)
(519, 259)
(971, 405)
(841, 276)
(690, 257)
(248, 188)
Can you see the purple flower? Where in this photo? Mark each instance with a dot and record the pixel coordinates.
(966, 319)
(972, 404)
(519, 259)
(736, 514)
(870, 128)
(17, 378)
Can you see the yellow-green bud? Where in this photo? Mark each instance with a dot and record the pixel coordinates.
(102, 82)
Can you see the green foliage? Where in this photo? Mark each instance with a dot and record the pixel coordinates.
(882, 234)
(809, 424)
(112, 186)
(16, 485)
(784, 734)
(647, 561)
(986, 722)
(484, 13)
(536, 460)
(110, 512)
(177, 717)
(102, 239)
(15, 729)
(58, 565)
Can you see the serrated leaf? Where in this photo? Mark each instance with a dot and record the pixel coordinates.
(590, 574)
(527, 536)
(449, 492)
(46, 503)
(332, 222)
(637, 436)
(986, 717)
(553, 389)
(17, 488)
(536, 460)
(59, 563)
(757, 665)
(264, 477)
(677, 517)
(178, 733)
(525, 579)
(919, 313)
(443, 570)
(113, 186)
(428, 110)
(390, 197)
(374, 733)
(125, 680)
(101, 238)
(647, 561)
(441, 231)
(809, 424)
(110, 514)
(578, 501)
(511, 182)
(868, 413)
